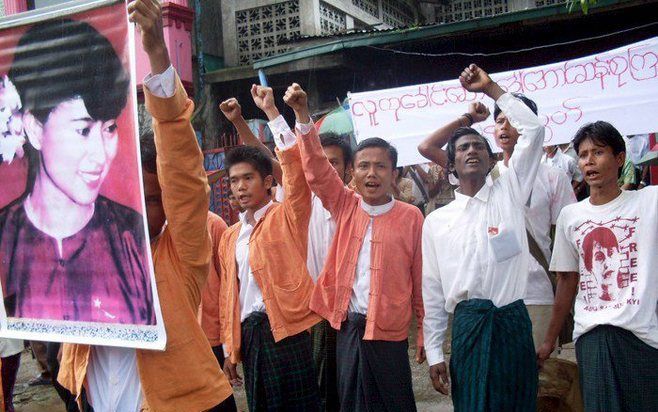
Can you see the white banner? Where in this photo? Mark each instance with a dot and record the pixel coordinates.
(619, 86)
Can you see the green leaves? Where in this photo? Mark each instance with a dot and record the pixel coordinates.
(584, 5)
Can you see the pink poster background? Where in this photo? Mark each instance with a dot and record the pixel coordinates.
(122, 183)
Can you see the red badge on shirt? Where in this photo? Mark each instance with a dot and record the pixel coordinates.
(492, 231)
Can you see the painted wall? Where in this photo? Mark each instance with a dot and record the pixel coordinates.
(179, 43)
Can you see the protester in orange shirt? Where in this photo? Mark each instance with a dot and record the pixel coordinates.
(185, 376)
(265, 285)
(209, 313)
(371, 282)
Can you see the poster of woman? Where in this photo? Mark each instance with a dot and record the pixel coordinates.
(74, 248)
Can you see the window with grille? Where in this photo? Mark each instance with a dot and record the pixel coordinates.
(261, 30)
(369, 6)
(396, 13)
(460, 10)
(542, 3)
(332, 20)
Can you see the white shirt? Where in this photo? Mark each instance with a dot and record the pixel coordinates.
(476, 247)
(571, 152)
(321, 226)
(10, 347)
(361, 288)
(550, 193)
(613, 248)
(565, 163)
(112, 374)
(113, 380)
(251, 297)
(321, 230)
(636, 147)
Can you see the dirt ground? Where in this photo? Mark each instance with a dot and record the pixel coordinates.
(44, 398)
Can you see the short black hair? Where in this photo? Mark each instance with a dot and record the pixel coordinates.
(379, 142)
(62, 59)
(461, 132)
(340, 141)
(528, 102)
(601, 133)
(148, 152)
(251, 155)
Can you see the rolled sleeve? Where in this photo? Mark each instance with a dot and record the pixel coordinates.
(284, 138)
(162, 85)
(304, 128)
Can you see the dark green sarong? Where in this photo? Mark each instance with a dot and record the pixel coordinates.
(618, 372)
(324, 358)
(278, 376)
(493, 365)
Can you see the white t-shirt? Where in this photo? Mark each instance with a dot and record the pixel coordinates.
(613, 247)
(550, 193)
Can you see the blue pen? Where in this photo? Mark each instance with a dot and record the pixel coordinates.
(262, 78)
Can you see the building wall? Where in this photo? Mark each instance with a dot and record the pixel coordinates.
(460, 10)
(254, 29)
(211, 42)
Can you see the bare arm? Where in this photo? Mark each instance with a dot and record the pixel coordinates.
(567, 288)
(432, 147)
(233, 112)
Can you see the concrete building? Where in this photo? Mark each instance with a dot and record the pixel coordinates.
(332, 47)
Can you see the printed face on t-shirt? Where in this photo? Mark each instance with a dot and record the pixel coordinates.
(608, 251)
(605, 267)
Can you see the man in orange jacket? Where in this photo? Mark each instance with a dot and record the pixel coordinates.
(371, 282)
(265, 285)
(209, 313)
(185, 376)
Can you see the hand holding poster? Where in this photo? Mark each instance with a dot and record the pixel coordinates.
(618, 86)
(76, 263)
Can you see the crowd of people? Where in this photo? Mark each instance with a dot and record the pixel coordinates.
(337, 249)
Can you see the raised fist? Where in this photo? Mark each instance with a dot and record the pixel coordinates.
(231, 109)
(263, 97)
(296, 98)
(475, 80)
(147, 14)
(478, 111)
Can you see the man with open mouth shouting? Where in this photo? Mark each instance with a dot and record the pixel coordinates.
(475, 265)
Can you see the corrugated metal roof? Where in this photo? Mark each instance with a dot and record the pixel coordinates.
(344, 41)
(352, 32)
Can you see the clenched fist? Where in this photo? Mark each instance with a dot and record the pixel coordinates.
(147, 14)
(231, 109)
(478, 111)
(474, 79)
(296, 98)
